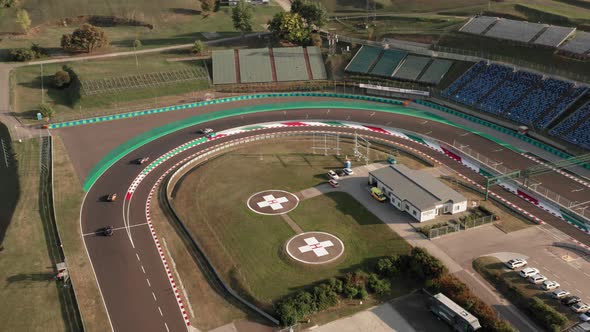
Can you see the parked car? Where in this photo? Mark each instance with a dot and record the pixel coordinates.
(550, 285)
(529, 271)
(537, 278)
(340, 172)
(571, 300)
(334, 183)
(515, 263)
(141, 160)
(580, 307)
(206, 131)
(378, 194)
(559, 294)
(107, 231)
(584, 317)
(111, 197)
(348, 171)
(333, 175)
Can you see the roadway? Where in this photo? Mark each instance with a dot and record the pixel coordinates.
(131, 276)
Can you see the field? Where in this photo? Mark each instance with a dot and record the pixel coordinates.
(247, 247)
(30, 295)
(69, 103)
(173, 22)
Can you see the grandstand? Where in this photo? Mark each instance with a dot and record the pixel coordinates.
(478, 25)
(519, 31)
(268, 65)
(579, 45)
(411, 67)
(514, 30)
(364, 60)
(518, 95)
(388, 63)
(290, 64)
(224, 67)
(554, 36)
(398, 64)
(435, 72)
(576, 128)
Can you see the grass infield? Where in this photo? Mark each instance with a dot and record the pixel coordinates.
(248, 248)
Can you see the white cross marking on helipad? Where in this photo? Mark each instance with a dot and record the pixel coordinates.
(317, 247)
(274, 203)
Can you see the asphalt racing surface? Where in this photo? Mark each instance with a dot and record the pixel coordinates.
(134, 284)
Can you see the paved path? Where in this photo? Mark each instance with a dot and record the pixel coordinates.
(292, 224)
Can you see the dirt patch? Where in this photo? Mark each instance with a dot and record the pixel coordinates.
(104, 21)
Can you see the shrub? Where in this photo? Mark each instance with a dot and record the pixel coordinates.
(21, 54)
(350, 292)
(362, 293)
(547, 316)
(86, 38)
(356, 279)
(424, 266)
(61, 79)
(336, 285)
(46, 110)
(198, 47)
(324, 296)
(378, 286)
(388, 266)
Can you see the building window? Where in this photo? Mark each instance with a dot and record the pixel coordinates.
(414, 213)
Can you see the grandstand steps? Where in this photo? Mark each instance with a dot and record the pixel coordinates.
(307, 64)
(483, 33)
(272, 64)
(425, 69)
(237, 60)
(538, 34)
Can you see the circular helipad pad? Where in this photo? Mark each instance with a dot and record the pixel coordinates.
(271, 202)
(315, 248)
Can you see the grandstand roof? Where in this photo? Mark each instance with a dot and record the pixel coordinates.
(363, 59)
(255, 65)
(411, 67)
(316, 63)
(477, 25)
(580, 44)
(554, 36)
(435, 72)
(224, 67)
(515, 30)
(290, 64)
(388, 63)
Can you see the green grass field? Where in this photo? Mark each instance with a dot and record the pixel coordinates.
(246, 247)
(174, 22)
(27, 81)
(30, 299)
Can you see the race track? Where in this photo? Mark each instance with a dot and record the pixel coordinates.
(133, 280)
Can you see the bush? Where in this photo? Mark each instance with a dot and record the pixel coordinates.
(336, 285)
(547, 316)
(362, 293)
(73, 92)
(198, 47)
(61, 79)
(46, 110)
(21, 54)
(324, 296)
(350, 292)
(378, 286)
(388, 266)
(423, 265)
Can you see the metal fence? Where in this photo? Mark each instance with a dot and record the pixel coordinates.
(458, 226)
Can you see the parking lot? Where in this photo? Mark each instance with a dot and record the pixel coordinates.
(536, 244)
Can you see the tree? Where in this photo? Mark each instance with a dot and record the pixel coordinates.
(208, 6)
(22, 18)
(46, 110)
(8, 3)
(313, 12)
(290, 27)
(61, 78)
(198, 47)
(136, 43)
(86, 38)
(378, 286)
(241, 16)
(425, 266)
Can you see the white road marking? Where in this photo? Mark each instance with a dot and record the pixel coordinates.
(142, 269)
(117, 229)
(154, 295)
(577, 290)
(160, 310)
(166, 325)
(148, 281)
(587, 275)
(372, 114)
(137, 255)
